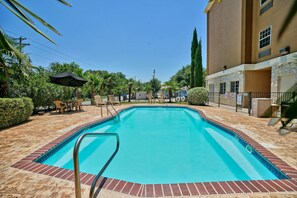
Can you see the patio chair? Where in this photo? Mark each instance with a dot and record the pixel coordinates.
(149, 97)
(99, 102)
(78, 104)
(112, 100)
(60, 106)
(162, 98)
(288, 110)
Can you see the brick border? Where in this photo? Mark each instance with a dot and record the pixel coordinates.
(180, 189)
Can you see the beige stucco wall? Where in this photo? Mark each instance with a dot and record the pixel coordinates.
(275, 16)
(281, 69)
(224, 35)
(238, 76)
(257, 81)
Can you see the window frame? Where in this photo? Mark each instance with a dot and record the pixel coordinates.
(223, 86)
(259, 37)
(261, 2)
(235, 86)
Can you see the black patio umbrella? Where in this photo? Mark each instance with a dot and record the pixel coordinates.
(67, 79)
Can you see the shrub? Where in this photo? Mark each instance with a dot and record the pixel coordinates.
(197, 96)
(14, 111)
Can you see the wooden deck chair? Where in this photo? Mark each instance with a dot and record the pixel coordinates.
(149, 97)
(112, 100)
(78, 104)
(162, 98)
(60, 106)
(99, 102)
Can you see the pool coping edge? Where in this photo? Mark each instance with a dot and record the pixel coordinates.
(180, 189)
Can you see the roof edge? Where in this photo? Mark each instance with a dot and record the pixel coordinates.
(209, 6)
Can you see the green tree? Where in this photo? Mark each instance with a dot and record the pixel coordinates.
(120, 81)
(73, 67)
(182, 76)
(156, 85)
(171, 87)
(198, 74)
(10, 66)
(94, 83)
(193, 53)
(130, 86)
(7, 45)
(37, 87)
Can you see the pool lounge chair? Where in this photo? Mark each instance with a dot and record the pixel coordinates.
(274, 121)
(60, 106)
(112, 101)
(288, 115)
(149, 97)
(99, 102)
(78, 104)
(162, 98)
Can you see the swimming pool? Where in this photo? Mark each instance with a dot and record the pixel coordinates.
(166, 145)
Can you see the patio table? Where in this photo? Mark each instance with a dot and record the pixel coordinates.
(70, 104)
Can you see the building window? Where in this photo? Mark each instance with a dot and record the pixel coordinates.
(262, 2)
(222, 88)
(265, 37)
(235, 86)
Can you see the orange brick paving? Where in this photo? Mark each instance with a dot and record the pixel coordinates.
(19, 141)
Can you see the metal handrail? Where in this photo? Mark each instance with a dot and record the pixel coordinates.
(108, 111)
(76, 163)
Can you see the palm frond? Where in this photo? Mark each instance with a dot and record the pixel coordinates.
(26, 21)
(65, 3)
(289, 18)
(10, 48)
(35, 16)
(13, 6)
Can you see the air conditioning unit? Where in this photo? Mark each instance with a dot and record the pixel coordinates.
(284, 51)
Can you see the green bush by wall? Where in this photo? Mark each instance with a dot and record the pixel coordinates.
(198, 96)
(14, 111)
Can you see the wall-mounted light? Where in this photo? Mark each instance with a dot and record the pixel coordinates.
(284, 50)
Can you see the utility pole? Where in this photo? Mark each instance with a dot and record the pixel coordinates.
(21, 44)
(154, 72)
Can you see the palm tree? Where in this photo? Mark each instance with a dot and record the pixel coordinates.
(130, 86)
(10, 64)
(7, 46)
(94, 82)
(170, 87)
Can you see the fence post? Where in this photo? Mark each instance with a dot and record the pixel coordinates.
(219, 99)
(250, 103)
(236, 102)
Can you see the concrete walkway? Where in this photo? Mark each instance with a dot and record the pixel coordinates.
(19, 141)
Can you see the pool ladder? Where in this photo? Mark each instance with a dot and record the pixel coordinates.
(109, 112)
(92, 193)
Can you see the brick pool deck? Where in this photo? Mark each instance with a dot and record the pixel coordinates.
(20, 177)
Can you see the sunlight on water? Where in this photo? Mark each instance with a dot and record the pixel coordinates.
(164, 145)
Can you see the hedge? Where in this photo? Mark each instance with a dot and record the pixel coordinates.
(14, 111)
(198, 96)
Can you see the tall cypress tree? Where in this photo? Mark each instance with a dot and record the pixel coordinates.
(198, 71)
(193, 53)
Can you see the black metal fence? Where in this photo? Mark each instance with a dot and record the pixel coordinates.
(242, 101)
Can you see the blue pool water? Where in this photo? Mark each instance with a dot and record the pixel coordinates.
(164, 145)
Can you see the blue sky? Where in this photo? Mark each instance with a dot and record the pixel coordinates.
(134, 37)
